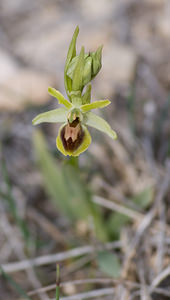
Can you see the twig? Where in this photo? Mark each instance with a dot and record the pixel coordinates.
(161, 212)
(76, 265)
(119, 208)
(17, 247)
(5, 252)
(134, 215)
(161, 240)
(133, 244)
(53, 258)
(127, 283)
(91, 294)
(160, 277)
(144, 293)
(121, 292)
(47, 226)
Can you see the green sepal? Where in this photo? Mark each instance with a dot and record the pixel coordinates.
(100, 124)
(83, 147)
(70, 55)
(72, 48)
(97, 64)
(86, 98)
(77, 82)
(61, 99)
(95, 104)
(87, 71)
(72, 65)
(58, 115)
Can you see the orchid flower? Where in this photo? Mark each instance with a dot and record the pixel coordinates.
(75, 115)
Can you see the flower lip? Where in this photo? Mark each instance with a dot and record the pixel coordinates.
(72, 135)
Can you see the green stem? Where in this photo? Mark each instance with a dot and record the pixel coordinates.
(57, 282)
(74, 161)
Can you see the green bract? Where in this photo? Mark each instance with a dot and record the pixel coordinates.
(73, 137)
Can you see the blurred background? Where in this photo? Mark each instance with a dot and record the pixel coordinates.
(117, 202)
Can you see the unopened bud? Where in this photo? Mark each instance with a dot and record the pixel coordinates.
(96, 61)
(91, 66)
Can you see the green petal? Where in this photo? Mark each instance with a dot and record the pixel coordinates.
(93, 105)
(100, 124)
(61, 99)
(53, 116)
(83, 147)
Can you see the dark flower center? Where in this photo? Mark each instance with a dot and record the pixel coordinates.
(72, 135)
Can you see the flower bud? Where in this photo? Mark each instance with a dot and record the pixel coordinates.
(89, 68)
(96, 65)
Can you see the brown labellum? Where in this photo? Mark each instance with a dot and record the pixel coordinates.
(72, 135)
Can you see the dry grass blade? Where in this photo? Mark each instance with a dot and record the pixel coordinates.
(134, 243)
(53, 258)
(117, 207)
(90, 295)
(161, 276)
(17, 246)
(127, 283)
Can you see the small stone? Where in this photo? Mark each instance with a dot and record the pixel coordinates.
(69, 289)
(82, 228)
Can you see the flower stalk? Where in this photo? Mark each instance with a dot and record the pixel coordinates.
(57, 282)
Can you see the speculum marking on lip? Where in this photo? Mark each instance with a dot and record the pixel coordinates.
(72, 135)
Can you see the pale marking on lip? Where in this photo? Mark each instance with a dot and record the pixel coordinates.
(72, 132)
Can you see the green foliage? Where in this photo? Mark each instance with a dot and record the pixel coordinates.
(67, 189)
(144, 199)
(109, 263)
(62, 184)
(115, 224)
